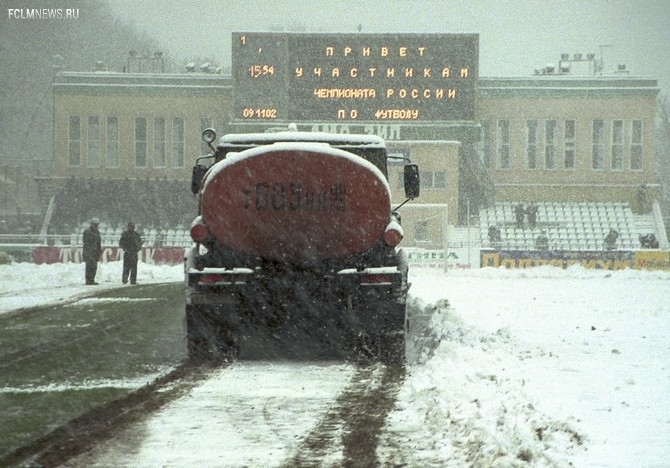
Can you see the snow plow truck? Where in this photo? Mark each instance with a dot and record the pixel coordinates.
(296, 230)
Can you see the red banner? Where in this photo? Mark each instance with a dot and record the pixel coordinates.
(158, 256)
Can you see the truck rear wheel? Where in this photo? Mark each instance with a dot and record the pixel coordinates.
(212, 332)
(382, 335)
(392, 348)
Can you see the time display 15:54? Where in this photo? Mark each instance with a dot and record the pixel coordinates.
(259, 71)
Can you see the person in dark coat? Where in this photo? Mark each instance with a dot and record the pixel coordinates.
(494, 236)
(610, 239)
(542, 241)
(531, 213)
(131, 243)
(519, 212)
(92, 251)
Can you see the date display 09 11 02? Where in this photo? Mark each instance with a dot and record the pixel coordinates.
(259, 113)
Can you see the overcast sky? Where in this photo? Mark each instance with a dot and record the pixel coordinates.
(516, 36)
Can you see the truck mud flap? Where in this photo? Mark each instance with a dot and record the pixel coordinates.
(212, 332)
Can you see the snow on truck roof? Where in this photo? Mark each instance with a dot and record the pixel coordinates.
(316, 146)
(334, 139)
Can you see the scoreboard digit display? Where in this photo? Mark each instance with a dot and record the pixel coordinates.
(355, 77)
(259, 74)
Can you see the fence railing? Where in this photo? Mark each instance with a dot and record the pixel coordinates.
(36, 239)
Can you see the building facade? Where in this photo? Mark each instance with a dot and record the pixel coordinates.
(566, 138)
(542, 138)
(137, 126)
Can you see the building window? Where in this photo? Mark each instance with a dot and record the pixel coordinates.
(550, 144)
(531, 144)
(93, 141)
(429, 180)
(598, 152)
(426, 179)
(617, 145)
(159, 142)
(485, 145)
(178, 144)
(74, 141)
(205, 122)
(439, 181)
(421, 231)
(569, 139)
(140, 142)
(636, 145)
(112, 142)
(502, 148)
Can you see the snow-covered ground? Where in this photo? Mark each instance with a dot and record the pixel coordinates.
(542, 366)
(24, 285)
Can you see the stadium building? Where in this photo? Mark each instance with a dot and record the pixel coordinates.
(580, 146)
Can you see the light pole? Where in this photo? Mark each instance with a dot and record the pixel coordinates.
(467, 203)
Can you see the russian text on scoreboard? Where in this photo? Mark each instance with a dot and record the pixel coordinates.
(354, 77)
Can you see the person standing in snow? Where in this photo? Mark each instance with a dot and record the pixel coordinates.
(92, 251)
(131, 243)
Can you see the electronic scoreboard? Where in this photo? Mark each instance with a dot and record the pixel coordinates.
(354, 77)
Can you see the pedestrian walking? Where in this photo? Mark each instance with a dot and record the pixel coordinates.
(131, 244)
(92, 251)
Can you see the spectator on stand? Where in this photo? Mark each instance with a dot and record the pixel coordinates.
(92, 251)
(610, 239)
(542, 241)
(531, 213)
(519, 213)
(494, 236)
(649, 241)
(131, 243)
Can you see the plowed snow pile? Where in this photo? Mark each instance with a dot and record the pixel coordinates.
(542, 366)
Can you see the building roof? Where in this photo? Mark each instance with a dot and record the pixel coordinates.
(140, 83)
(566, 85)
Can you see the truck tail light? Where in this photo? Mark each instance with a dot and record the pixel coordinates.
(376, 279)
(393, 234)
(210, 279)
(199, 232)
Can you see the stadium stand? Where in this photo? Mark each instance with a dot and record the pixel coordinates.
(160, 208)
(570, 226)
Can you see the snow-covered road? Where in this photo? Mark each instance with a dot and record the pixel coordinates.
(541, 367)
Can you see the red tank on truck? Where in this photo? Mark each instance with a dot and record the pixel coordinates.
(297, 230)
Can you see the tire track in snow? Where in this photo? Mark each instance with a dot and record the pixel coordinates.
(352, 427)
(93, 427)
